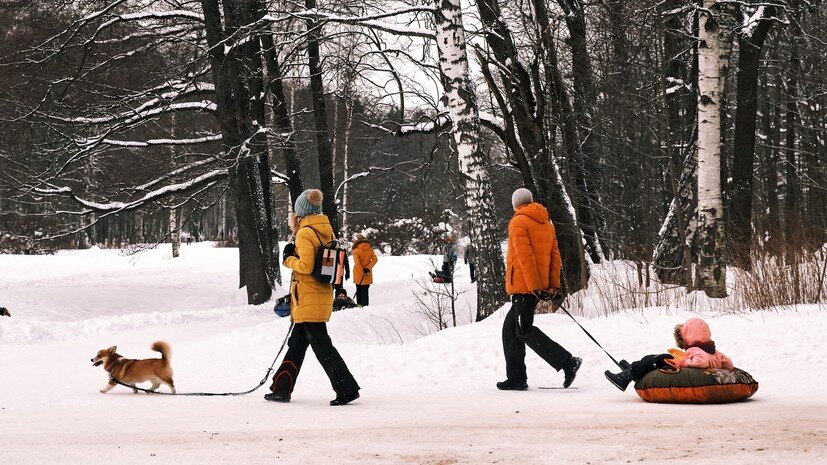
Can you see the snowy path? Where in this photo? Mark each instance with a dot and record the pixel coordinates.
(430, 400)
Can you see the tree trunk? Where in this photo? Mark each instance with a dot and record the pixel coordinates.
(345, 167)
(672, 258)
(589, 132)
(174, 232)
(774, 233)
(280, 113)
(527, 136)
(249, 180)
(740, 211)
(461, 101)
(712, 57)
(792, 215)
(323, 145)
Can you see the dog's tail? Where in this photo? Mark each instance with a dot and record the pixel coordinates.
(163, 348)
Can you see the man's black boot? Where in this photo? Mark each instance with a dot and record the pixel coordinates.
(512, 385)
(571, 371)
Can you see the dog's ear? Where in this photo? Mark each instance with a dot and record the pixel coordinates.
(112, 349)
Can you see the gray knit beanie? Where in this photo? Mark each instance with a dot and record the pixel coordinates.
(308, 203)
(521, 196)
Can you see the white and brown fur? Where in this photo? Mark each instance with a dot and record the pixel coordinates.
(5, 312)
(131, 372)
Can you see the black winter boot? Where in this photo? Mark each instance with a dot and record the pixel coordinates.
(277, 397)
(512, 385)
(570, 370)
(624, 365)
(620, 380)
(345, 399)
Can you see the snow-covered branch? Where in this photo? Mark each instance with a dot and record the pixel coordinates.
(92, 206)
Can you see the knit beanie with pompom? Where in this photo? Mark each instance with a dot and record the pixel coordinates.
(308, 203)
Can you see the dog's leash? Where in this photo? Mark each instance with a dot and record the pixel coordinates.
(242, 393)
(559, 302)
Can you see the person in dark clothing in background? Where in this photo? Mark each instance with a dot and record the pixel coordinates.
(449, 257)
(342, 301)
(471, 261)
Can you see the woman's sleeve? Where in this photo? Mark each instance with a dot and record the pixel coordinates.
(306, 252)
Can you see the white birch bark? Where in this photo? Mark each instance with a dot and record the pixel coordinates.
(712, 56)
(174, 228)
(460, 100)
(346, 172)
(174, 232)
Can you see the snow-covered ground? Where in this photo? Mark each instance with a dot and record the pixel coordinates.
(426, 399)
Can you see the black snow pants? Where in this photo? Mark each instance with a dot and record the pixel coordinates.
(519, 331)
(362, 297)
(648, 363)
(313, 335)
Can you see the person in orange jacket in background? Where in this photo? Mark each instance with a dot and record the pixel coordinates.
(364, 259)
(532, 274)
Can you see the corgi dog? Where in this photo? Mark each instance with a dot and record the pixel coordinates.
(131, 372)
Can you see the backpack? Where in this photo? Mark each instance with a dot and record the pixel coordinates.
(331, 264)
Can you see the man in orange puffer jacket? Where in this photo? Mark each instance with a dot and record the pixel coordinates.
(532, 274)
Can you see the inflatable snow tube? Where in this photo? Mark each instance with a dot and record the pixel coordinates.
(696, 386)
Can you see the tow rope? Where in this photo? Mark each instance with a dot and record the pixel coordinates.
(559, 303)
(241, 393)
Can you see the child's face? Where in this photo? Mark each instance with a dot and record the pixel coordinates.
(340, 296)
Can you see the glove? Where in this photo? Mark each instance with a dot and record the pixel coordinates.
(289, 251)
(542, 294)
(366, 270)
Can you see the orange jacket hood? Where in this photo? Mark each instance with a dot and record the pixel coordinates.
(533, 210)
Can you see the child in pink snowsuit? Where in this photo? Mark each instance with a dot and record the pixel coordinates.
(694, 337)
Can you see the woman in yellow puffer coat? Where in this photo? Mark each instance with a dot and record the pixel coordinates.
(364, 259)
(311, 304)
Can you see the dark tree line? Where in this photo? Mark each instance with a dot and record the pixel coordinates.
(127, 122)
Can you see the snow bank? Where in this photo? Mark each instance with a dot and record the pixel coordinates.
(426, 397)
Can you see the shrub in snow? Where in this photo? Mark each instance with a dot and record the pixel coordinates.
(24, 245)
(406, 236)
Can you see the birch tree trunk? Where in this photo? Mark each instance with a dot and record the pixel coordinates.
(712, 56)
(345, 170)
(461, 101)
(174, 232)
